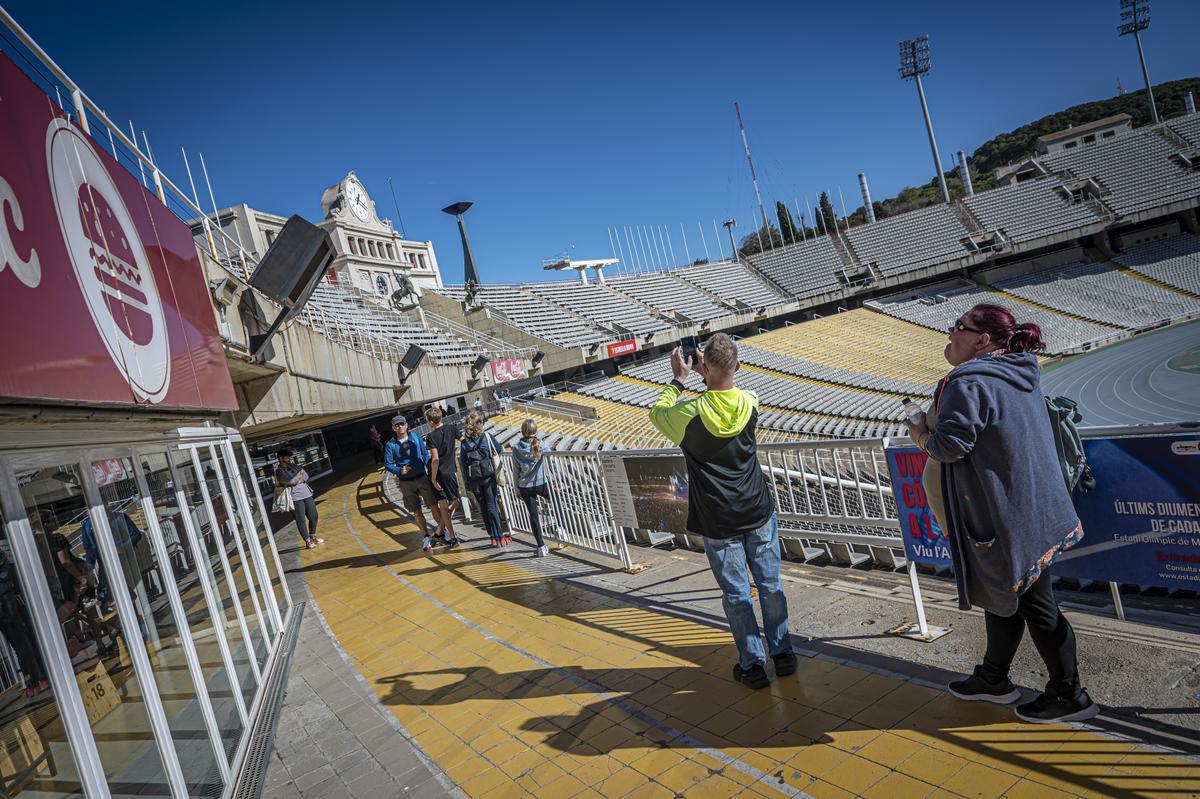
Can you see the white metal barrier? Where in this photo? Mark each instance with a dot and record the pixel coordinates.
(578, 512)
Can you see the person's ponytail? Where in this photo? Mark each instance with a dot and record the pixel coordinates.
(1027, 337)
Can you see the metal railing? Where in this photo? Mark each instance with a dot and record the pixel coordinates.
(483, 341)
(578, 512)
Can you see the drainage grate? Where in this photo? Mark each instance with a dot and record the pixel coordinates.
(248, 783)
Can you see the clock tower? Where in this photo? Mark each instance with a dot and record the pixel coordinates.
(370, 254)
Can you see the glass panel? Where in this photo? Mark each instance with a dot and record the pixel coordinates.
(249, 539)
(243, 578)
(211, 564)
(112, 695)
(262, 528)
(35, 758)
(183, 712)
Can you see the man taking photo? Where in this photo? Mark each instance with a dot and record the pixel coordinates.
(729, 503)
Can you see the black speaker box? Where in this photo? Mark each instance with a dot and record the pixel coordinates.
(412, 357)
(297, 259)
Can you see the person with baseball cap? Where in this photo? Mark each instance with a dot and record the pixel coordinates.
(407, 457)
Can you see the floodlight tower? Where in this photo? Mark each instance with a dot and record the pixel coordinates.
(914, 62)
(1136, 16)
(729, 225)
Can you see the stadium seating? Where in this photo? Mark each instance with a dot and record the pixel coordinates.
(1188, 127)
(330, 304)
(1139, 169)
(663, 292)
(600, 304)
(804, 270)
(1029, 210)
(830, 374)
(910, 241)
(733, 281)
(535, 315)
(1096, 292)
(862, 342)
(939, 306)
(1174, 261)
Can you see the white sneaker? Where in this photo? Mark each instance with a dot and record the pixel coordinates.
(427, 544)
(543, 551)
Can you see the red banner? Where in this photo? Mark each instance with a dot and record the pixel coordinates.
(621, 347)
(103, 300)
(507, 369)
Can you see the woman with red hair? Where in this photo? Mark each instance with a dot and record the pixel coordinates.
(996, 487)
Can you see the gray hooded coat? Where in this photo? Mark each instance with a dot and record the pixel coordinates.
(1009, 511)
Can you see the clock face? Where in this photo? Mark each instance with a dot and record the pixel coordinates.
(357, 198)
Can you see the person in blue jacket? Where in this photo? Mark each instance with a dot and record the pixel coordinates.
(407, 457)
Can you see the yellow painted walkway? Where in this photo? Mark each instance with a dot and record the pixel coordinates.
(517, 685)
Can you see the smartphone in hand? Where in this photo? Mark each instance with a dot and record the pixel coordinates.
(689, 346)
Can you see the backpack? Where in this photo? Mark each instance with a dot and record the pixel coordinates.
(1064, 419)
(477, 459)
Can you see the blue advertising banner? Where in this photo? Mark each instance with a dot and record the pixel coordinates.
(1141, 524)
(924, 541)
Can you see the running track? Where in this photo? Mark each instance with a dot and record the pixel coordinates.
(1129, 383)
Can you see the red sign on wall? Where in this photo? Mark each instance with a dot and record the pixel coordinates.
(103, 300)
(621, 347)
(507, 369)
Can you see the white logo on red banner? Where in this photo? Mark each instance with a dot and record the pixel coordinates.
(110, 262)
(507, 369)
(621, 347)
(28, 270)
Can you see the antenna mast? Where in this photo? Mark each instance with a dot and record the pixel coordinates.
(750, 161)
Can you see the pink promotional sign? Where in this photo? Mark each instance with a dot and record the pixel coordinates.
(103, 300)
(507, 369)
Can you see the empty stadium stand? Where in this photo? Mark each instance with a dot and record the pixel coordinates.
(1139, 170)
(807, 269)
(1094, 291)
(1030, 210)
(910, 241)
(732, 280)
(601, 304)
(800, 367)
(1187, 127)
(662, 291)
(535, 315)
(1174, 261)
(938, 307)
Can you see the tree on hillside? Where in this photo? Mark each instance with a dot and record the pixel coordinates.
(826, 216)
(787, 230)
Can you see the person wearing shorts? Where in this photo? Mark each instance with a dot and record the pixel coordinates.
(441, 441)
(406, 457)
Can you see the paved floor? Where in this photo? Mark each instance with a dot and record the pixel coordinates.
(514, 682)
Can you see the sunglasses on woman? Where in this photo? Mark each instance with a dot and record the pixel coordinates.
(959, 326)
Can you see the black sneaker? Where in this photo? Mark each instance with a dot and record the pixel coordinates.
(785, 664)
(753, 677)
(978, 688)
(1050, 708)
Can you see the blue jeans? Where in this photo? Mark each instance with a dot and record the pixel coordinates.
(728, 559)
(486, 494)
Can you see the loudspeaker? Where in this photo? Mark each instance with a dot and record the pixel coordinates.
(537, 358)
(412, 357)
(295, 262)
(480, 362)
(289, 272)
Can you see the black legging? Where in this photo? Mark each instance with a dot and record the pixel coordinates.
(305, 511)
(1049, 629)
(14, 627)
(530, 496)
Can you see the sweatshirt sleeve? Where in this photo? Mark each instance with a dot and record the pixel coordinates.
(670, 418)
(962, 413)
(389, 458)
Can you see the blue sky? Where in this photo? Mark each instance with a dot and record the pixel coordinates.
(560, 120)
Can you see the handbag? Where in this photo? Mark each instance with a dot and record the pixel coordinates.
(502, 478)
(283, 502)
